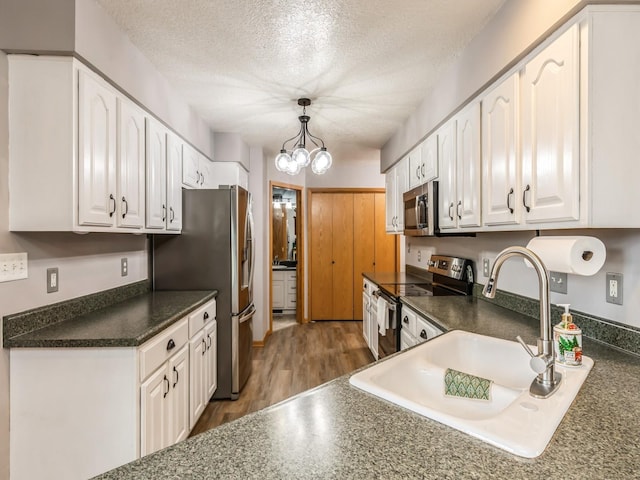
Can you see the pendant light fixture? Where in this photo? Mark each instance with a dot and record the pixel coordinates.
(293, 161)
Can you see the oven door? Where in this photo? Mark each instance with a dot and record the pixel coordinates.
(386, 320)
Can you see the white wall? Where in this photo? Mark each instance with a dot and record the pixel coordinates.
(229, 147)
(516, 26)
(585, 294)
(103, 44)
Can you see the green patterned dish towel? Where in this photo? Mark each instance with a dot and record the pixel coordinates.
(460, 384)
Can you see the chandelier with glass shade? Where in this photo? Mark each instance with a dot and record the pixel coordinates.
(293, 161)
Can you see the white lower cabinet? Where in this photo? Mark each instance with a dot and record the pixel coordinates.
(370, 316)
(284, 289)
(105, 407)
(203, 347)
(416, 329)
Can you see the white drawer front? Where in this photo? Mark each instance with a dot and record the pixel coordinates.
(201, 317)
(157, 350)
(425, 330)
(408, 321)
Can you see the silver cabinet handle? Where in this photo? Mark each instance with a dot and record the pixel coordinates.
(198, 175)
(451, 210)
(126, 207)
(509, 200)
(164, 212)
(177, 377)
(418, 173)
(204, 346)
(201, 179)
(172, 215)
(111, 199)
(422, 170)
(458, 209)
(168, 384)
(524, 198)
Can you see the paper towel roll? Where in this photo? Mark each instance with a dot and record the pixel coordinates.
(570, 254)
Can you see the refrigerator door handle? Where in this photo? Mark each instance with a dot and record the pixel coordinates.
(253, 249)
(248, 314)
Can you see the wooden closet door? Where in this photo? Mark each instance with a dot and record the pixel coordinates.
(365, 234)
(342, 256)
(321, 245)
(385, 244)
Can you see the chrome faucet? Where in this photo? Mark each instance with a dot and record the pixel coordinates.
(548, 380)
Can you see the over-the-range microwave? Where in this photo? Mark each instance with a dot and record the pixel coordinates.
(421, 210)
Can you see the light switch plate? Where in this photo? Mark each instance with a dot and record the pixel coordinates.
(614, 288)
(13, 266)
(486, 267)
(124, 266)
(558, 282)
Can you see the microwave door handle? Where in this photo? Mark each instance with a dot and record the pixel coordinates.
(417, 209)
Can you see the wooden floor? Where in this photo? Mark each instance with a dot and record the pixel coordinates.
(293, 360)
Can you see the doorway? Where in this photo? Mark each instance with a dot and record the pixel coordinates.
(286, 256)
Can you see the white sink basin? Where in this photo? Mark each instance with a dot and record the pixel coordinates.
(512, 419)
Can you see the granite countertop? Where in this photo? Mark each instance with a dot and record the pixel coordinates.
(338, 431)
(128, 323)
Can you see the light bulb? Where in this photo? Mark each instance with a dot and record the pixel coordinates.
(293, 167)
(301, 156)
(282, 161)
(321, 162)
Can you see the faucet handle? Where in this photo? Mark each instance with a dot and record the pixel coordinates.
(538, 363)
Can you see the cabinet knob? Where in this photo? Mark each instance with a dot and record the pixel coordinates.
(205, 316)
(171, 344)
(405, 320)
(423, 334)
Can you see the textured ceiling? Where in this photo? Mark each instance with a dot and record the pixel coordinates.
(242, 64)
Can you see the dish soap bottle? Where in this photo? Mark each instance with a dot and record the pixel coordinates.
(567, 340)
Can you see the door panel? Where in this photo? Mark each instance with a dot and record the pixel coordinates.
(364, 249)
(321, 256)
(343, 256)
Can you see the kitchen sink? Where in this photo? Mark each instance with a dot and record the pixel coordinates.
(511, 419)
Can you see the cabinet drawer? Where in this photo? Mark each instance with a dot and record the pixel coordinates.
(408, 321)
(202, 316)
(157, 350)
(406, 340)
(425, 330)
(291, 277)
(367, 287)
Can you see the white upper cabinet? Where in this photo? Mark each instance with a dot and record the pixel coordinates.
(131, 165)
(396, 183)
(447, 184)
(468, 184)
(175, 149)
(416, 168)
(197, 170)
(429, 157)
(550, 122)
(96, 151)
(156, 174)
(500, 165)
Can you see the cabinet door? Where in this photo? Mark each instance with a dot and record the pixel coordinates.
(500, 172)
(390, 207)
(131, 165)
(364, 251)
(342, 255)
(96, 152)
(447, 184)
(291, 290)
(402, 185)
(208, 177)
(366, 318)
(154, 417)
(467, 207)
(197, 380)
(321, 246)
(179, 397)
(174, 182)
(414, 160)
(277, 290)
(156, 150)
(191, 175)
(550, 132)
(384, 257)
(429, 156)
(211, 360)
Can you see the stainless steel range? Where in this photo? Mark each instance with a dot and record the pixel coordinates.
(445, 275)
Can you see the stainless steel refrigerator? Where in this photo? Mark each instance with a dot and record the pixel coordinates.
(215, 251)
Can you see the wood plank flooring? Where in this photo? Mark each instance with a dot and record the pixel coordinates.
(293, 360)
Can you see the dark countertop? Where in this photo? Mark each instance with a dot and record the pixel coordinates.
(124, 324)
(338, 431)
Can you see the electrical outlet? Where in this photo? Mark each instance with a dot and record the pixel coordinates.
(13, 266)
(558, 282)
(53, 280)
(419, 255)
(124, 267)
(614, 288)
(486, 267)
